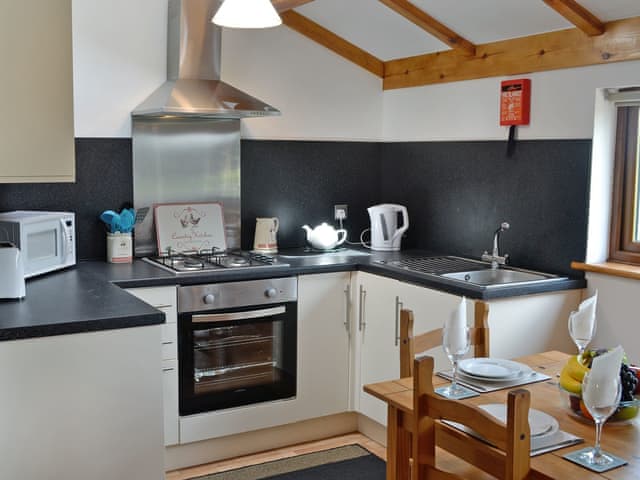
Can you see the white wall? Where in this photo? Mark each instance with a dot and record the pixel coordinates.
(321, 95)
(617, 313)
(562, 106)
(119, 58)
(602, 160)
(119, 53)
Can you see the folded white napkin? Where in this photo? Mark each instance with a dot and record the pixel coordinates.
(457, 327)
(604, 368)
(584, 318)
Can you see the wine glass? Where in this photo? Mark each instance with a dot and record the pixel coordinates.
(455, 342)
(581, 328)
(601, 397)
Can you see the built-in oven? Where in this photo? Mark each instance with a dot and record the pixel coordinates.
(237, 343)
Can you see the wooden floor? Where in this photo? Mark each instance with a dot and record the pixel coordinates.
(277, 454)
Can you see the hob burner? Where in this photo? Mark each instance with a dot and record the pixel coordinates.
(211, 259)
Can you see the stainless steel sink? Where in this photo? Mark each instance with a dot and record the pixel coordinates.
(470, 271)
(501, 276)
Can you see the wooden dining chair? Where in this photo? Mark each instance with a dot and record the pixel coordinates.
(410, 343)
(509, 459)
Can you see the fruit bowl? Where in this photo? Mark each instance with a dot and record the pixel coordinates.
(625, 413)
(573, 373)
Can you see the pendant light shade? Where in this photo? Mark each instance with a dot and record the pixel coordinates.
(247, 14)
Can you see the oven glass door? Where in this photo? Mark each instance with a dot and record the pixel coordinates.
(237, 357)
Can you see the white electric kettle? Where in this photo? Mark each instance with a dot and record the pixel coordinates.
(385, 233)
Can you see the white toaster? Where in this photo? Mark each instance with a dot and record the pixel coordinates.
(12, 277)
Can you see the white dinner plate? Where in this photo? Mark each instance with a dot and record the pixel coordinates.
(492, 368)
(540, 423)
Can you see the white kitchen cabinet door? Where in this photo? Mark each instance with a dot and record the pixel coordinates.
(323, 343)
(378, 357)
(430, 309)
(530, 324)
(165, 299)
(82, 406)
(36, 125)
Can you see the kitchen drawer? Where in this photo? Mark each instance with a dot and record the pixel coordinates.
(162, 298)
(169, 341)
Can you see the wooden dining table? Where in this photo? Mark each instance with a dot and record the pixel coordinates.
(622, 440)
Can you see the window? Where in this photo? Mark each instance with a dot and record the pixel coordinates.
(625, 221)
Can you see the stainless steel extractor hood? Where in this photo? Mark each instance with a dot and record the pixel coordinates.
(194, 88)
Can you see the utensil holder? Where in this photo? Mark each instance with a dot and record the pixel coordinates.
(119, 248)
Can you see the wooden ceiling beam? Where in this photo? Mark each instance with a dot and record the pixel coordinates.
(330, 40)
(432, 26)
(578, 15)
(547, 51)
(284, 5)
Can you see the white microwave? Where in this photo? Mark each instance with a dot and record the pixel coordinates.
(46, 239)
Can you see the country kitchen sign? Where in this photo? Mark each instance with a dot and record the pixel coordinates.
(182, 227)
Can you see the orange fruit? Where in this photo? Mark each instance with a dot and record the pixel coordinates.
(584, 411)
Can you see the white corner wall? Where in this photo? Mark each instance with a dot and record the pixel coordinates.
(119, 54)
(562, 106)
(601, 188)
(617, 313)
(119, 58)
(321, 96)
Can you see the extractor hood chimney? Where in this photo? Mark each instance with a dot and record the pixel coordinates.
(194, 88)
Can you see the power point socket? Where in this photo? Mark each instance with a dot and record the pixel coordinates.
(340, 212)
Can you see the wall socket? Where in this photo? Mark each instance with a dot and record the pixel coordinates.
(340, 212)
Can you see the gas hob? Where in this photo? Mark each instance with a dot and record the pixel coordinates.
(209, 260)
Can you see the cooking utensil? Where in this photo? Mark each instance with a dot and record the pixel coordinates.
(141, 214)
(111, 219)
(127, 220)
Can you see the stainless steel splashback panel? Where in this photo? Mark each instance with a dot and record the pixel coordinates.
(186, 160)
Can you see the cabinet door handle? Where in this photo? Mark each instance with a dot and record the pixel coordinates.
(169, 369)
(398, 308)
(363, 298)
(347, 315)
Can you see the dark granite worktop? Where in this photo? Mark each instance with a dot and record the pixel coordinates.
(90, 296)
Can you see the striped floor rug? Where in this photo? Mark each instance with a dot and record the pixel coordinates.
(351, 462)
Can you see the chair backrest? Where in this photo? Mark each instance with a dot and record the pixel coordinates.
(512, 439)
(410, 343)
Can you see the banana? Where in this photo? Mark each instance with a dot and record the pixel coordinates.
(569, 383)
(575, 368)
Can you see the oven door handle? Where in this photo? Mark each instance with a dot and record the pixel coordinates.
(227, 317)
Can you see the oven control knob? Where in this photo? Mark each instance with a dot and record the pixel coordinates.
(209, 298)
(271, 292)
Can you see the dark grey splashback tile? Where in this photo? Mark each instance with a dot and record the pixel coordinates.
(300, 181)
(103, 181)
(457, 193)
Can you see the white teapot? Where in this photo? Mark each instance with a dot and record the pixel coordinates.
(324, 236)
